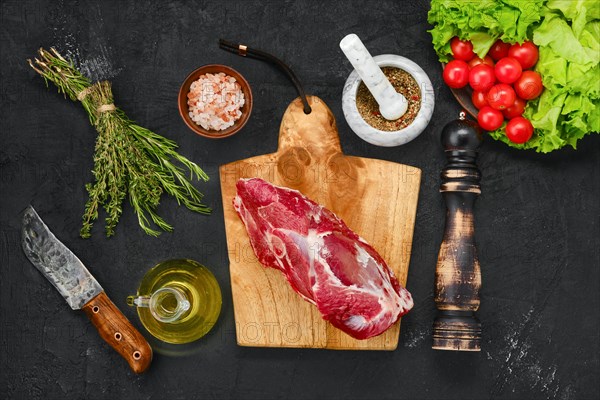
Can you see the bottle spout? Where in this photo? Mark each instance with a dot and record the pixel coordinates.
(138, 301)
(185, 305)
(167, 304)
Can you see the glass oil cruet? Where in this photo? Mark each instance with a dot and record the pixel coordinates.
(178, 301)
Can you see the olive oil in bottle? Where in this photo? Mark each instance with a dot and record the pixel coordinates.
(178, 301)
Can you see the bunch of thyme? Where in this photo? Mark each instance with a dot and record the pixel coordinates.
(129, 160)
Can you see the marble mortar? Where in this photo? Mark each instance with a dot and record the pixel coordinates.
(389, 138)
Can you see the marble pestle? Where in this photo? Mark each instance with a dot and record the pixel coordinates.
(392, 105)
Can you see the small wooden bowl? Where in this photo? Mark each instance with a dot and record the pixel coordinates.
(184, 109)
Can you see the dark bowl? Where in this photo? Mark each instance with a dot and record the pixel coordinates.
(463, 96)
(184, 110)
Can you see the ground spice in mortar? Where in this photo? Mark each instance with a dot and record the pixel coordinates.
(405, 84)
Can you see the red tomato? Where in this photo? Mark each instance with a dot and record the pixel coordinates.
(519, 130)
(479, 100)
(456, 74)
(490, 119)
(516, 110)
(485, 60)
(499, 50)
(482, 78)
(501, 96)
(526, 54)
(508, 70)
(529, 85)
(461, 49)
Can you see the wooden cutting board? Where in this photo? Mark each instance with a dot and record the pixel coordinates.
(377, 199)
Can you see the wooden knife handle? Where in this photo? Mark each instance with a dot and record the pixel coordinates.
(118, 332)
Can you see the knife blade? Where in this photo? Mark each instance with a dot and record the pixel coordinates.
(81, 290)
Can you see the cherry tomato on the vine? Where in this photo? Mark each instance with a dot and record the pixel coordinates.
(482, 78)
(529, 86)
(516, 110)
(508, 70)
(461, 49)
(499, 50)
(479, 99)
(490, 119)
(501, 96)
(485, 60)
(526, 54)
(519, 130)
(456, 74)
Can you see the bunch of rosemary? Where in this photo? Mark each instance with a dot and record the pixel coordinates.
(129, 160)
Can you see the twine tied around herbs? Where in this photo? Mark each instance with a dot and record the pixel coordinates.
(84, 93)
(98, 88)
(106, 107)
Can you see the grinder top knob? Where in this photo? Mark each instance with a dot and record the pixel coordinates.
(461, 135)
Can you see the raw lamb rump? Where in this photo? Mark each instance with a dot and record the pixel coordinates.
(324, 261)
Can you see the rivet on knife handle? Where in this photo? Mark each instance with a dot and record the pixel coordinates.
(118, 332)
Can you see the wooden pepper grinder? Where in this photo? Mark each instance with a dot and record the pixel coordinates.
(458, 275)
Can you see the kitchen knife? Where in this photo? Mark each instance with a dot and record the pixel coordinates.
(79, 288)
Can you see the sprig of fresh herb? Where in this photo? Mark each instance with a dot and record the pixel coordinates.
(129, 160)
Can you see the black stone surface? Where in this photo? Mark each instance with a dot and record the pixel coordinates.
(537, 220)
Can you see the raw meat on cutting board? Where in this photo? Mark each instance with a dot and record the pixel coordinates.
(327, 263)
